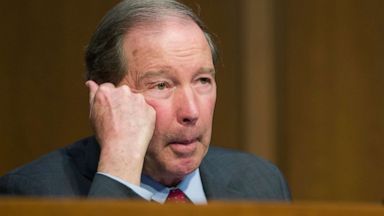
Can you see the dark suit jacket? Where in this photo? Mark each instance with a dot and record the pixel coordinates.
(71, 171)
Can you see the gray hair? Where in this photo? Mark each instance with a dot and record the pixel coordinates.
(104, 55)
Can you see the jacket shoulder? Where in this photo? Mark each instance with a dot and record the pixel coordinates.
(238, 161)
(249, 175)
(55, 173)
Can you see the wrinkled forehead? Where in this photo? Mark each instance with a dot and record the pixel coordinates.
(166, 33)
(160, 25)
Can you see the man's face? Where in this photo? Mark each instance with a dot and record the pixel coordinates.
(171, 64)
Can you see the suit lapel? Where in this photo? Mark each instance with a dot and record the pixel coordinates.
(85, 154)
(216, 181)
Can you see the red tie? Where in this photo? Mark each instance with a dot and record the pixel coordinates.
(177, 196)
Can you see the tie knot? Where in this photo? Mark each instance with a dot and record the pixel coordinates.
(177, 196)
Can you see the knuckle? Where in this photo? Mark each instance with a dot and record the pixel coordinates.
(104, 87)
(140, 97)
(104, 92)
(101, 96)
(125, 88)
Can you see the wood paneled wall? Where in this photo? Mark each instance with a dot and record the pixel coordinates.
(43, 97)
(331, 105)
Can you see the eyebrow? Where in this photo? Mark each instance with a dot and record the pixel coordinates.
(149, 74)
(205, 70)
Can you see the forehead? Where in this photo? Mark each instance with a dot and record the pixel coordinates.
(170, 34)
(163, 25)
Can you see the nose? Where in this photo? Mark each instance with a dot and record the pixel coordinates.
(187, 107)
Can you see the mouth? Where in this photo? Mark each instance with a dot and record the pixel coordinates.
(184, 147)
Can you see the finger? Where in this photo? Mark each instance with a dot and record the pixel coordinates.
(107, 86)
(92, 89)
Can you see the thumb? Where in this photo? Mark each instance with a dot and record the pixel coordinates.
(92, 89)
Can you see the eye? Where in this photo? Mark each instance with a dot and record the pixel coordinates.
(158, 85)
(161, 86)
(159, 89)
(204, 80)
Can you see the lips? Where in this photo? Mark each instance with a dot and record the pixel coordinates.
(184, 147)
(184, 141)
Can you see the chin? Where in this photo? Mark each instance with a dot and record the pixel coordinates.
(170, 168)
(184, 166)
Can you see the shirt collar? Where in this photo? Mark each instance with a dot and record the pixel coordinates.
(191, 185)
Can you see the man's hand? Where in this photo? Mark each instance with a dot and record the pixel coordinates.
(123, 123)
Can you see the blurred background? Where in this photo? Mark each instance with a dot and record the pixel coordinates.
(300, 83)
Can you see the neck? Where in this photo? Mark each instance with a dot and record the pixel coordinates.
(167, 181)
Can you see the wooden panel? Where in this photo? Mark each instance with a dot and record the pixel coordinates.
(258, 84)
(331, 104)
(44, 100)
(120, 207)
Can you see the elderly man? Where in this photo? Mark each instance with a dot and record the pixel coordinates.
(151, 78)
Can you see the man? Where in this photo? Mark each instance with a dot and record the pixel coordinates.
(151, 79)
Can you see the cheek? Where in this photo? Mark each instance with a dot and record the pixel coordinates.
(163, 113)
(209, 106)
